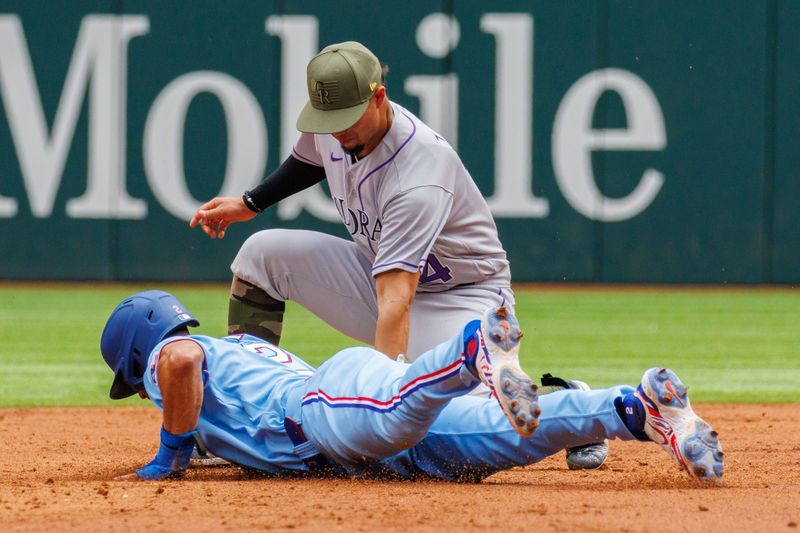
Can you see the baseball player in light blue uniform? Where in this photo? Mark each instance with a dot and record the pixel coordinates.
(263, 408)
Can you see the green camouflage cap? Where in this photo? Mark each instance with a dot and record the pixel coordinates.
(341, 80)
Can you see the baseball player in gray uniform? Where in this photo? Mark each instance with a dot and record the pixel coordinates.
(425, 256)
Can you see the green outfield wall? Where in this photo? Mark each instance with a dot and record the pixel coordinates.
(645, 141)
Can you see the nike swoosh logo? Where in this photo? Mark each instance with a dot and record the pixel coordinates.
(335, 158)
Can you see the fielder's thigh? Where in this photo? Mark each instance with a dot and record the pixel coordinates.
(325, 274)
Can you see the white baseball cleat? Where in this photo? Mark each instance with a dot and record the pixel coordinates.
(497, 365)
(672, 424)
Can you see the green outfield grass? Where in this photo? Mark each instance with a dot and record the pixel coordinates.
(733, 345)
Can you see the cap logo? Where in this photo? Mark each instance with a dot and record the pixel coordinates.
(373, 85)
(322, 93)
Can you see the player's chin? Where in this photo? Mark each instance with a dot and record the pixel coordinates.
(351, 147)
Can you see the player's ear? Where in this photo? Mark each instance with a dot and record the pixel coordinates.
(380, 95)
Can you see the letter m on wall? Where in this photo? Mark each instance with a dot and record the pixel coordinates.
(99, 65)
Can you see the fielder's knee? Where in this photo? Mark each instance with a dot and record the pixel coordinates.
(254, 312)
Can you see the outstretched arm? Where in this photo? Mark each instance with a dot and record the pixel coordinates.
(291, 177)
(217, 214)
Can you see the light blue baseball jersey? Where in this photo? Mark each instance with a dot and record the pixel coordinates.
(247, 382)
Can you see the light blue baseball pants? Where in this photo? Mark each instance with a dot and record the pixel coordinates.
(371, 414)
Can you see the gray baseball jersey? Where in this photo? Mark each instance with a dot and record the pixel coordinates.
(411, 205)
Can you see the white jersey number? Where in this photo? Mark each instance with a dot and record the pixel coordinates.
(279, 355)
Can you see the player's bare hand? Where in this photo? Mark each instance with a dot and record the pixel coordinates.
(216, 215)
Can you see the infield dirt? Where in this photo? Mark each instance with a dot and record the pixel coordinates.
(57, 466)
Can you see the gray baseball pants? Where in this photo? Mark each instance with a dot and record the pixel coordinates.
(330, 277)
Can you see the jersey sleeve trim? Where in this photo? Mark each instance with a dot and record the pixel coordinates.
(395, 264)
(304, 159)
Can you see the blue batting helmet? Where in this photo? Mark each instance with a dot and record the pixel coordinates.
(133, 330)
